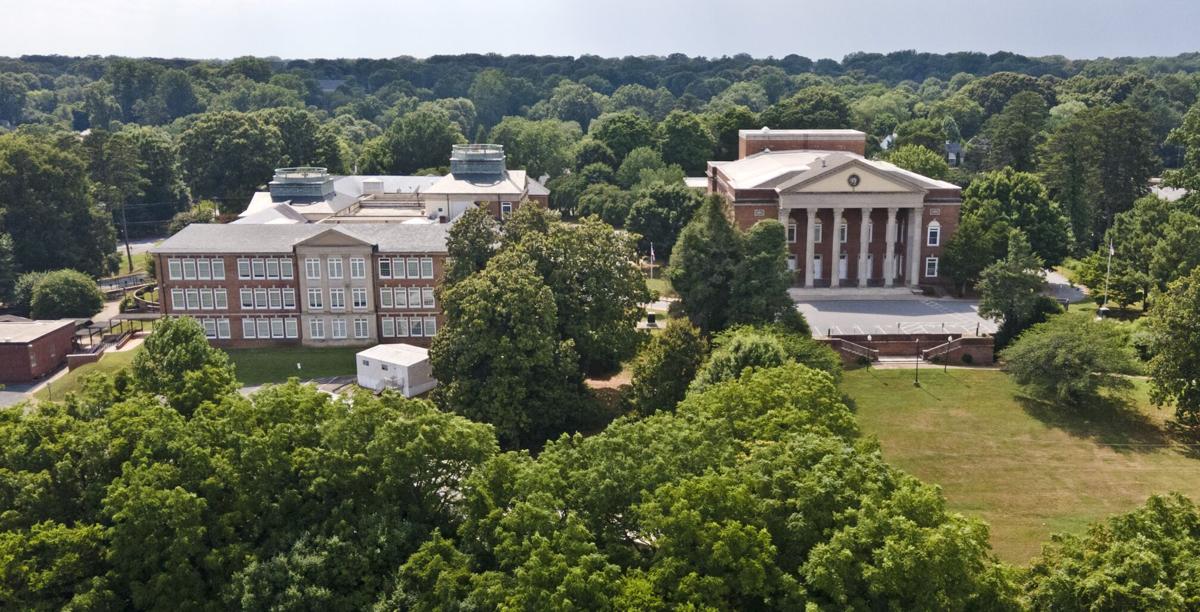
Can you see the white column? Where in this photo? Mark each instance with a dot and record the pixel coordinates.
(809, 247)
(835, 248)
(864, 221)
(889, 255)
(916, 226)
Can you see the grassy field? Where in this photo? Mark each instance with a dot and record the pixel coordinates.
(273, 365)
(1026, 468)
(109, 363)
(661, 286)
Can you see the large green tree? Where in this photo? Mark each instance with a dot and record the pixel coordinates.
(1009, 288)
(1020, 199)
(665, 366)
(177, 363)
(418, 140)
(227, 155)
(810, 108)
(704, 263)
(1175, 368)
(622, 132)
(683, 139)
(1013, 135)
(65, 294)
(759, 291)
(920, 159)
(471, 243)
(1073, 360)
(659, 213)
(304, 142)
(540, 147)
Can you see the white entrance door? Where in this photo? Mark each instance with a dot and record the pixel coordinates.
(842, 266)
(816, 264)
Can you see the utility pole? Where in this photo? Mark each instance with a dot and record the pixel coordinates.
(125, 230)
(1108, 270)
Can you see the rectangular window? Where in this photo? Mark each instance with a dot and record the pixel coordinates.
(414, 267)
(178, 302)
(358, 267)
(218, 272)
(843, 233)
(401, 327)
(206, 299)
(426, 267)
(220, 299)
(430, 326)
(272, 268)
(290, 328)
(210, 328)
(260, 299)
(247, 298)
(385, 267)
(244, 270)
(276, 328)
(258, 268)
(204, 270)
(415, 328)
(385, 297)
(174, 269)
(193, 299)
(316, 328)
(248, 328)
(360, 328)
(223, 328)
(401, 297)
(816, 229)
(339, 328)
(398, 267)
(505, 209)
(289, 299)
(791, 232)
(387, 327)
(335, 267)
(337, 299)
(285, 268)
(189, 269)
(358, 298)
(312, 268)
(264, 328)
(414, 297)
(427, 297)
(275, 297)
(870, 232)
(934, 235)
(931, 267)
(314, 299)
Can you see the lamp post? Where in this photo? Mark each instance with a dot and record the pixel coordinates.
(946, 356)
(917, 365)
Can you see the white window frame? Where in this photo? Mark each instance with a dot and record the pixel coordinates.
(506, 209)
(337, 299)
(401, 297)
(358, 267)
(817, 230)
(189, 269)
(276, 328)
(401, 327)
(358, 298)
(204, 269)
(312, 268)
(843, 232)
(248, 328)
(416, 327)
(427, 297)
(206, 299)
(291, 328)
(399, 268)
(178, 300)
(385, 267)
(285, 268)
(426, 267)
(246, 298)
(792, 232)
(193, 299)
(931, 261)
(387, 327)
(243, 267)
(263, 327)
(174, 269)
(413, 268)
(361, 328)
(385, 297)
(337, 328)
(315, 301)
(933, 234)
(335, 267)
(223, 329)
(316, 328)
(210, 328)
(258, 268)
(414, 297)
(289, 299)
(220, 299)
(260, 299)
(430, 327)
(275, 298)
(273, 268)
(218, 272)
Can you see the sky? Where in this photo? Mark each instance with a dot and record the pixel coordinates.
(377, 28)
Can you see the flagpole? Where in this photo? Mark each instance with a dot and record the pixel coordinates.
(651, 260)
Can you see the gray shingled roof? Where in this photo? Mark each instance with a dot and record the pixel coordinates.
(239, 238)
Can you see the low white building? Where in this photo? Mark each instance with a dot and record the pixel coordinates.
(396, 366)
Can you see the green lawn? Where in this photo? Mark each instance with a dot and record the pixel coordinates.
(661, 286)
(1024, 467)
(109, 363)
(273, 365)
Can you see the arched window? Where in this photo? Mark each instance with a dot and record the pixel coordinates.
(933, 234)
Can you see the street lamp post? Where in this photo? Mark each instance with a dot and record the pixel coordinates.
(917, 366)
(946, 356)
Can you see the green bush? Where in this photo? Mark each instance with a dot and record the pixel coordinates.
(65, 294)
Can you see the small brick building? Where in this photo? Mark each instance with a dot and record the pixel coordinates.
(32, 349)
(851, 221)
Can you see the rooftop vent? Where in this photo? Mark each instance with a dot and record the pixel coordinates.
(477, 159)
(304, 182)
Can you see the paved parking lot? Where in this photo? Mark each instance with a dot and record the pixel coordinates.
(908, 316)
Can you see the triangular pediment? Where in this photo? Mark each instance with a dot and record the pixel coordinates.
(332, 237)
(851, 176)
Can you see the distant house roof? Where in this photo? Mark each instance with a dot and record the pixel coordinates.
(249, 238)
(24, 332)
(398, 354)
(536, 188)
(1170, 194)
(696, 182)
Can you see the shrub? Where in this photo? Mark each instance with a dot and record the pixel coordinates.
(65, 294)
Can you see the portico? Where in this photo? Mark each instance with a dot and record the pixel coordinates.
(853, 247)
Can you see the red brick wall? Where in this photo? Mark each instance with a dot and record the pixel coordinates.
(947, 217)
(439, 272)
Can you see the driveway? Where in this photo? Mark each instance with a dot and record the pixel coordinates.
(881, 316)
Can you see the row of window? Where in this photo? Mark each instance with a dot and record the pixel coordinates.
(199, 299)
(931, 264)
(406, 297)
(267, 328)
(407, 327)
(411, 267)
(196, 269)
(337, 299)
(337, 328)
(933, 233)
(268, 299)
(265, 268)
